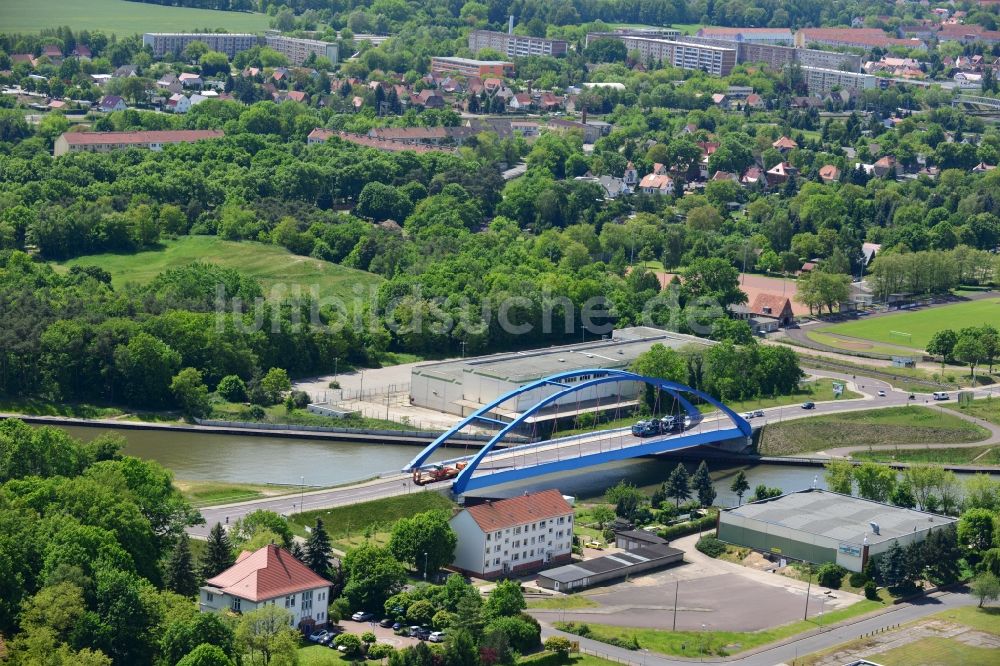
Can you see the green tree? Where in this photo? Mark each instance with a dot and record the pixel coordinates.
(740, 485)
(57, 608)
(317, 550)
(839, 476)
(259, 528)
(145, 366)
(982, 492)
(701, 482)
(660, 362)
(558, 644)
(274, 383)
(626, 498)
(762, 492)
(892, 565)
(970, 351)
(678, 484)
(942, 344)
(373, 575)
(206, 655)
(232, 389)
(218, 553)
(923, 480)
(191, 393)
(179, 575)
(213, 63)
(266, 635)
(941, 554)
(985, 587)
(977, 529)
(875, 482)
(506, 600)
(522, 631)
(351, 644)
(184, 635)
(461, 650)
(424, 541)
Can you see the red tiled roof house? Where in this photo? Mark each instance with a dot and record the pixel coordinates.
(267, 577)
(512, 536)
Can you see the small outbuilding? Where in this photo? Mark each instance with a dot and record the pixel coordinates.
(820, 526)
(634, 539)
(583, 574)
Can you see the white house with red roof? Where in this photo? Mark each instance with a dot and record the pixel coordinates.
(269, 576)
(512, 536)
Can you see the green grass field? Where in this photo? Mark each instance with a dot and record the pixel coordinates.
(351, 525)
(552, 659)
(311, 654)
(859, 346)
(987, 409)
(270, 264)
(981, 455)
(876, 427)
(568, 602)
(921, 324)
(121, 17)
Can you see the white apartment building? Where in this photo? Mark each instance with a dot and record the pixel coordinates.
(164, 43)
(513, 536)
(298, 50)
(819, 80)
(715, 60)
(515, 46)
(267, 577)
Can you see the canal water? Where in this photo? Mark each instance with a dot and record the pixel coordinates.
(194, 456)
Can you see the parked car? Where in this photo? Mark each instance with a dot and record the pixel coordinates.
(881, 393)
(386, 622)
(808, 405)
(320, 636)
(362, 616)
(414, 630)
(596, 545)
(397, 626)
(423, 633)
(436, 637)
(747, 415)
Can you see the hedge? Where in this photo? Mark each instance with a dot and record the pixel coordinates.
(692, 527)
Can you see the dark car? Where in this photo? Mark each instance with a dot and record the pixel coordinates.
(386, 622)
(396, 626)
(646, 428)
(423, 633)
(808, 405)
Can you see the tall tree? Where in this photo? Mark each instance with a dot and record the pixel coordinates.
(701, 482)
(179, 575)
(970, 351)
(317, 550)
(218, 553)
(942, 344)
(740, 485)
(506, 600)
(679, 484)
(893, 565)
(839, 476)
(875, 482)
(426, 541)
(977, 529)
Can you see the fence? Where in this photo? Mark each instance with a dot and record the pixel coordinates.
(335, 396)
(424, 434)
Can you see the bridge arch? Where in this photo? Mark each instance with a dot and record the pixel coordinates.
(597, 376)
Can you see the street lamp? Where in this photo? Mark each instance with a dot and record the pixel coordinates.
(302, 492)
(425, 566)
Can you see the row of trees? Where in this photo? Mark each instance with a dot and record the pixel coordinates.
(925, 487)
(973, 346)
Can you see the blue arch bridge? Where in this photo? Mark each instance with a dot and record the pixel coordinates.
(497, 463)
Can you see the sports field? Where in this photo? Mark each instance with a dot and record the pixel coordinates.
(270, 264)
(120, 16)
(920, 324)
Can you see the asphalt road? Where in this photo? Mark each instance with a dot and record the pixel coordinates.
(787, 651)
(393, 484)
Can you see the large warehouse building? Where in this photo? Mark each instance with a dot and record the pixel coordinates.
(821, 526)
(463, 386)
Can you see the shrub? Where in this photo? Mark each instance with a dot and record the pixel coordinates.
(711, 546)
(700, 525)
(300, 399)
(558, 644)
(871, 591)
(334, 385)
(368, 637)
(252, 413)
(380, 651)
(857, 579)
(232, 389)
(351, 643)
(831, 575)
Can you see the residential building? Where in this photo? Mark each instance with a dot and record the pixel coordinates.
(829, 173)
(781, 36)
(717, 60)
(102, 142)
(515, 46)
(591, 130)
(784, 145)
(824, 80)
(969, 80)
(178, 103)
(655, 183)
(168, 43)
(618, 33)
(269, 576)
(780, 173)
(468, 67)
(776, 57)
(111, 103)
(862, 38)
(298, 50)
(820, 526)
(513, 536)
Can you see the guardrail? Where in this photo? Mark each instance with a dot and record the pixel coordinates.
(278, 427)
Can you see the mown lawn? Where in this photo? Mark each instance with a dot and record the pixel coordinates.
(987, 409)
(121, 17)
(552, 659)
(920, 324)
(349, 526)
(856, 345)
(320, 655)
(278, 270)
(721, 643)
(209, 493)
(570, 601)
(985, 455)
(875, 427)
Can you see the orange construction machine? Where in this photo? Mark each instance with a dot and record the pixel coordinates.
(437, 473)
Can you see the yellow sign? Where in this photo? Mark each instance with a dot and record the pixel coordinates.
(776, 550)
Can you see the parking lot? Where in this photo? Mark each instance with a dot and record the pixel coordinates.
(720, 595)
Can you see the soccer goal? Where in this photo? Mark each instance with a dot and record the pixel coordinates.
(901, 336)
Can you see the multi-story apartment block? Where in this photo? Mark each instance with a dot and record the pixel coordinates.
(270, 576)
(516, 535)
(167, 43)
(781, 36)
(298, 50)
(515, 46)
(824, 80)
(861, 38)
(102, 142)
(776, 57)
(468, 67)
(716, 60)
(652, 33)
